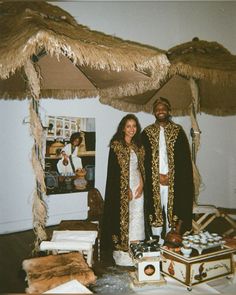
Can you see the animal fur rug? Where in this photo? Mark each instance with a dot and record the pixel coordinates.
(45, 273)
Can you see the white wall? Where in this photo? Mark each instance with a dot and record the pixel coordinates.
(161, 24)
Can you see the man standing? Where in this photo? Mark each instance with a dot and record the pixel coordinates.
(169, 188)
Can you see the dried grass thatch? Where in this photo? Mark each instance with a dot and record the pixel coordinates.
(213, 68)
(201, 59)
(29, 30)
(209, 64)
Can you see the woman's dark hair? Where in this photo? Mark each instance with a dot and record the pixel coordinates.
(120, 135)
(74, 136)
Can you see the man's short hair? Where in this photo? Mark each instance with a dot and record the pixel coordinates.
(161, 100)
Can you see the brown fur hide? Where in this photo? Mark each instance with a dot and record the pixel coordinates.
(45, 273)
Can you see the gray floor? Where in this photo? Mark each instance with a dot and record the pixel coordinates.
(118, 280)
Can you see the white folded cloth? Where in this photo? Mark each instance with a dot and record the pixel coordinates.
(75, 235)
(65, 245)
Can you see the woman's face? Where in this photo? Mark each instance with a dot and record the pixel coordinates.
(76, 142)
(130, 128)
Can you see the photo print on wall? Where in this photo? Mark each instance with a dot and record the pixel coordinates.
(69, 154)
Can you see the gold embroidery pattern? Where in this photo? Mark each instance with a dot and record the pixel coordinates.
(115, 239)
(152, 132)
(123, 156)
(171, 132)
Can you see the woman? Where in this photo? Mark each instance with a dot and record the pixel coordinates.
(70, 162)
(123, 220)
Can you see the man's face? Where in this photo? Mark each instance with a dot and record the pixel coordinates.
(162, 113)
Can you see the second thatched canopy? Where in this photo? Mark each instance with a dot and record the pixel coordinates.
(202, 75)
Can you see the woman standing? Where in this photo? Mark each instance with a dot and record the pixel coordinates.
(123, 220)
(70, 162)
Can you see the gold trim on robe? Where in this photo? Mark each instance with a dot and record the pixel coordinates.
(123, 156)
(171, 132)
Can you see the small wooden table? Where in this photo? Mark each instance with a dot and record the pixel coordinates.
(197, 269)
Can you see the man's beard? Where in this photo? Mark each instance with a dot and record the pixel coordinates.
(163, 119)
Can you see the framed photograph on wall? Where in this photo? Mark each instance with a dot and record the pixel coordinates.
(69, 154)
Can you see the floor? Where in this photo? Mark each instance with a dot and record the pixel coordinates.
(16, 247)
(119, 280)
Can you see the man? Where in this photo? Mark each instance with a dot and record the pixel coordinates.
(169, 187)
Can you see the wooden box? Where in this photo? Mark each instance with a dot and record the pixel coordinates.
(197, 268)
(147, 272)
(148, 269)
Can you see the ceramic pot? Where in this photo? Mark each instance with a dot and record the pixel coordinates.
(90, 172)
(186, 251)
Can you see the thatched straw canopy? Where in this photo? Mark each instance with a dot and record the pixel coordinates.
(212, 67)
(209, 65)
(201, 59)
(72, 59)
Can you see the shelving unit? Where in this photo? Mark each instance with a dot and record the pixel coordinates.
(61, 127)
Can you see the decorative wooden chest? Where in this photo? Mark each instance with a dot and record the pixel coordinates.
(197, 268)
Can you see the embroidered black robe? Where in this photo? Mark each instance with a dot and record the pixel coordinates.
(115, 225)
(181, 187)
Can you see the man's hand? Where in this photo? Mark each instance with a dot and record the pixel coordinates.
(164, 179)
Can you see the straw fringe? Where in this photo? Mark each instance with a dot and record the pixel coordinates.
(33, 78)
(69, 94)
(220, 111)
(39, 211)
(114, 96)
(213, 75)
(39, 172)
(36, 127)
(132, 107)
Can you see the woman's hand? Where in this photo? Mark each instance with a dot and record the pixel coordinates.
(139, 190)
(138, 193)
(130, 195)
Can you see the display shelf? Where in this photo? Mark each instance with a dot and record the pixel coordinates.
(61, 127)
